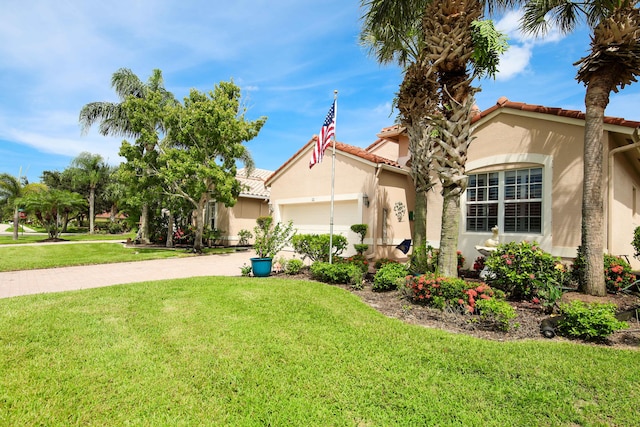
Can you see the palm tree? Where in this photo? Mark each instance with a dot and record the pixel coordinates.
(613, 63)
(11, 189)
(115, 120)
(450, 47)
(89, 171)
(392, 31)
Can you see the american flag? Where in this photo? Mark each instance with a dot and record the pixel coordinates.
(328, 130)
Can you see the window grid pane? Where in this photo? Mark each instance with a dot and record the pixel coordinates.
(521, 203)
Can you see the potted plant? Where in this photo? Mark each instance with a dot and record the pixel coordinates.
(270, 238)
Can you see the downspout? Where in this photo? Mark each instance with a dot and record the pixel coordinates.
(636, 144)
(375, 210)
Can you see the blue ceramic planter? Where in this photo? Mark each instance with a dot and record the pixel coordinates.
(261, 267)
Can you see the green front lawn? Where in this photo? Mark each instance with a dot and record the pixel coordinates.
(62, 255)
(247, 351)
(36, 238)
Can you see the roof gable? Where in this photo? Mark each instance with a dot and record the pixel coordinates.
(350, 150)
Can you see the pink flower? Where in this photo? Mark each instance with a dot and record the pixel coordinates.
(535, 300)
(460, 301)
(508, 262)
(532, 276)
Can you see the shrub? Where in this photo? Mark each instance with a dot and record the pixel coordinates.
(617, 272)
(316, 246)
(423, 259)
(389, 276)
(360, 230)
(448, 292)
(593, 321)
(524, 271)
(344, 273)
(293, 266)
(245, 270)
(636, 242)
(497, 312)
(382, 262)
(361, 248)
(244, 236)
(360, 261)
(115, 228)
(478, 265)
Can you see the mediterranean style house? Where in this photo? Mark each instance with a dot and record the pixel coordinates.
(525, 177)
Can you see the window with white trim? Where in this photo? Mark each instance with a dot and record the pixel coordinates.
(511, 199)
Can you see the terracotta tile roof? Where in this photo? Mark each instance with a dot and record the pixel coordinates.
(503, 102)
(254, 183)
(345, 148)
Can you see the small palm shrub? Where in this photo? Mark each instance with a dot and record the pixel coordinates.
(389, 276)
(592, 321)
(525, 272)
(343, 273)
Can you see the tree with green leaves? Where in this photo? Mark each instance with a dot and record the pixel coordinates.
(50, 206)
(146, 128)
(443, 46)
(89, 172)
(612, 64)
(205, 139)
(11, 189)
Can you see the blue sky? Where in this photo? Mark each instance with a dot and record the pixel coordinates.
(288, 56)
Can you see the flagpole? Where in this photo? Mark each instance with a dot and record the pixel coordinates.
(333, 174)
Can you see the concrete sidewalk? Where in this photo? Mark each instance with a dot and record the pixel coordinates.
(27, 282)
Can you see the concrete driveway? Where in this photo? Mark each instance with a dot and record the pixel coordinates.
(26, 282)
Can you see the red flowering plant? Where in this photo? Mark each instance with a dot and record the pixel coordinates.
(617, 273)
(448, 292)
(478, 264)
(460, 260)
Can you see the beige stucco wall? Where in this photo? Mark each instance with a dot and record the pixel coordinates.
(510, 141)
(393, 188)
(241, 216)
(624, 212)
(299, 185)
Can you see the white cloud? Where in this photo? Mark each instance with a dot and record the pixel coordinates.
(514, 61)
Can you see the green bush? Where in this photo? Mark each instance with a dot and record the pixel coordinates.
(344, 273)
(316, 246)
(360, 261)
(497, 312)
(636, 242)
(592, 321)
(293, 266)
(525, 272)
(423, 259)
(382, 262)
(617, 272)
(389, 276)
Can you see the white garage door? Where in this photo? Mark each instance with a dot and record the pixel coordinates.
(314, 218)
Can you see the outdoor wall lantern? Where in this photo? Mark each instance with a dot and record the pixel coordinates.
(365, 200)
